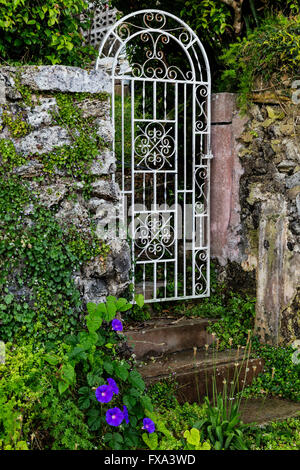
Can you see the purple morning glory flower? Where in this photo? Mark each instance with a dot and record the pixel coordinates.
(113, 385)
(114, 416)
(148, 425)
(125, 413)
(104, 393)
(117, 325)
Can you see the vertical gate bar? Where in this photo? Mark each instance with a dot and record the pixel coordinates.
(193, 185)
(184, 194)
(154, 100)
(123, 137)
(165, 100)
(123, 154)
(176, 191)
(154, 279)
(154, 190)
(113, 120)
(144, 280)
(144, 208)
(132, 182)
(165, 279)
(144, 103)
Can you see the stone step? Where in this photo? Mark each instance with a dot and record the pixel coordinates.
(263, 411)
(168, 335)
(194, 374)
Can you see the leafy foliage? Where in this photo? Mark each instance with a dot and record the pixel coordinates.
(31, 413)
(49, 393)
(47, 32)
(237, 318)
(39, 255)
(281, 377)
(268, 52)
(222, 425)
(165, 439)
(283, 435)
(37, 261)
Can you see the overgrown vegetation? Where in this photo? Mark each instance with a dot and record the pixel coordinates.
(44, 33)
(276, 436)
(281, 376)
(264, 59)
(48, 397)
(39, 254)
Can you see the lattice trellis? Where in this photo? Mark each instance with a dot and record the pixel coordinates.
(103, 17)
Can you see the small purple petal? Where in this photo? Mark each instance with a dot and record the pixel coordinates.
(148, 425)
(117, 325)
(104, 393)
(114, 416)
(125, 413)
(113, 385)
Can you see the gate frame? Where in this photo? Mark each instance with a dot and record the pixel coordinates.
(194, 41)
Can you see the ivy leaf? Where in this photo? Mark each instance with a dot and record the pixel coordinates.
(150, 440)
(121, 372)
(129, 401)
(68, 373)
(94, 321)
(111, 311)
(123, 305)
(108, 366)
(87, 340)
(91, 307)
(94, 421)
(139, 300)
(192, 436)
(62, 387)
(146, 403)
(136, 379)
(8, 299)
(53, 360)
(83, 403)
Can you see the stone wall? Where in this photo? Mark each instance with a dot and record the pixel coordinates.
(255, 208)
(29, 102)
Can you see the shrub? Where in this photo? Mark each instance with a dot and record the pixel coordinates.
(268, 52)
(50, 396)
(43, 32)
(275, 436)
(281, 377)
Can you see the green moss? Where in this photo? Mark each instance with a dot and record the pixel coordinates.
(17, 125)
(9, 157)
(254, 240)
(24, 90)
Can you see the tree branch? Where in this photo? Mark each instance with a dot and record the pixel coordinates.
(237, 8)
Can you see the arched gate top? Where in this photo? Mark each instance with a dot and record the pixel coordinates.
(155, 30)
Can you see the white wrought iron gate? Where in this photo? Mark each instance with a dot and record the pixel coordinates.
(161, 119)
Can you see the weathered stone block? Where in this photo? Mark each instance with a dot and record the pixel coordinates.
(42, 141)
(52, 194)
(104, 165)
(66, 79)
(293, 180)
(40, 114)
(106, 189)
